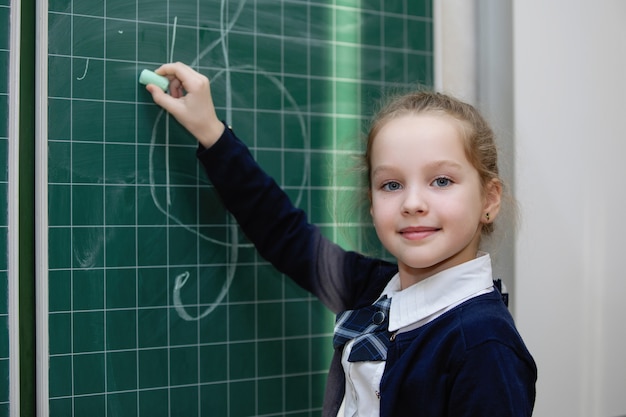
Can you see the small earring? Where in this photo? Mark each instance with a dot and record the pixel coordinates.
(487, 216)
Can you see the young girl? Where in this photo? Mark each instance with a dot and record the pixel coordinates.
(428, 336)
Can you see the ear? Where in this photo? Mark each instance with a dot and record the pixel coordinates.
(493, 198)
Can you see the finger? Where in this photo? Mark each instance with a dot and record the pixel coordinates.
(161, 98)
(175, 82)
(190, 79)
(176, 88)
(176, 70)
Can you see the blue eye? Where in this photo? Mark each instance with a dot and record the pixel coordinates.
(442, 182)
(391, 186)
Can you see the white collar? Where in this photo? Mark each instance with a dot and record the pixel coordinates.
(438, 292)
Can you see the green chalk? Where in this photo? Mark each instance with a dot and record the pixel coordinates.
(150, 77)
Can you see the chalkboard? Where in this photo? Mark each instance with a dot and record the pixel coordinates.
(157, 303)
(4, 222)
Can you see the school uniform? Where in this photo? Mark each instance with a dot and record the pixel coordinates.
(460, 357)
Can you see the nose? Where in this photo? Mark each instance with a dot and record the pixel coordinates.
(414, 202)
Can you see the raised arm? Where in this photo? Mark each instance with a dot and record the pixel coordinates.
(280, 232)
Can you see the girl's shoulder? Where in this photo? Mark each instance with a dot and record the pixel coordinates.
(485, 323)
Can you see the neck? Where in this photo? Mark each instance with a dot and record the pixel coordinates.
(411, 276)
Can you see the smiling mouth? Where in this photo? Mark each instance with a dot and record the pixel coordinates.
(418, 233)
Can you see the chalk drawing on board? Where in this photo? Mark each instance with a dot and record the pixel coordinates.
(167, 127)
(82, 77)
(87, 256)
(233, 241)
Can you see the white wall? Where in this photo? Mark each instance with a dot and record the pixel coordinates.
(474, 62)
(570, 114)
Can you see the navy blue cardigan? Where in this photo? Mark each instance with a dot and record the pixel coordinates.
(469, 362)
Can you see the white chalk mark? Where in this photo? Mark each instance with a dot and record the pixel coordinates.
(173, 40)
(87, 254)
(82, 77)
(180, 282)
(232, 242)
(223, 32)
(306, 142)
(158, 205)
(167, 129)
(167, 162)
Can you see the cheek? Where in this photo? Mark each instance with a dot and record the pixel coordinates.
(467, 213)
(381, 212)
(374, 211)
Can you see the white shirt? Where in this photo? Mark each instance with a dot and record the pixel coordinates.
(411, 308)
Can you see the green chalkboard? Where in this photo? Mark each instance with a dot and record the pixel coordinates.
(4, 223)
(158, 305)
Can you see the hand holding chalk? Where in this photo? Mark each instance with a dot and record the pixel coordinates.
(189, 101)
(149, 77)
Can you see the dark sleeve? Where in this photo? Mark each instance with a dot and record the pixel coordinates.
(497, 374)
(494, 381)
(281, 232)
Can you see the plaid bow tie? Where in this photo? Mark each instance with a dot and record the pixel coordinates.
(368, 327)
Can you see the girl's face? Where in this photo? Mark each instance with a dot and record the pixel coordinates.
(427, 203)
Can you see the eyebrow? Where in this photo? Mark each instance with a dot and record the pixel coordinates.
(444, 163)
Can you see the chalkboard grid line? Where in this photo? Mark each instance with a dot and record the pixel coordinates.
(200, 344)
(210, 70)
(286, 150)
(204, 187)
(72, 277)
(310, 4)
(147, 306)
(136, 202)
(218, 382)
(199, 189)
